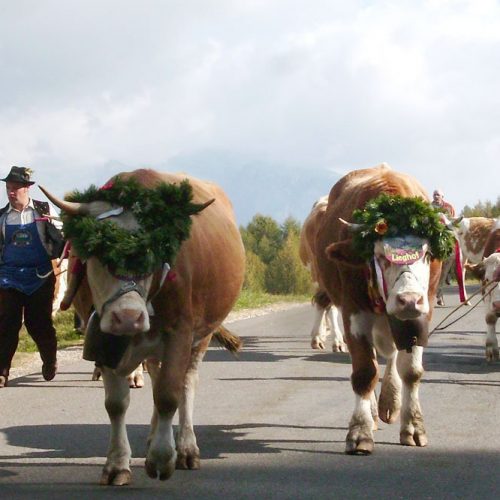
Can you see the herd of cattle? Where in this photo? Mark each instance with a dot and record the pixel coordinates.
(208, 274)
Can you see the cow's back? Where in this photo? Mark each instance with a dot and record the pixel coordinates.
(307, 246)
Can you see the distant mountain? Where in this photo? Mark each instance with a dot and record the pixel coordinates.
(259, 187)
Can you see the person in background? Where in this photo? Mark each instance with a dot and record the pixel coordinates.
(439, 202)
(28, 243)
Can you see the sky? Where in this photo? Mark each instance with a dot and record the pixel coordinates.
(89, 88)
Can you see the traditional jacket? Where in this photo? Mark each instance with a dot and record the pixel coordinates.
(50, 236)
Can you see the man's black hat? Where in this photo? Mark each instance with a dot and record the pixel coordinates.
(19, 174)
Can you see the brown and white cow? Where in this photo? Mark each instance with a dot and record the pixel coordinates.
(209, 270)
(488, 270)
(472, 234)
(398, 333)
(326, 314)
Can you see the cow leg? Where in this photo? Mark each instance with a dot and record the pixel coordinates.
(117, 398)
(412, 432)
(332, 322)
(188, 453)
(167, 393)
(491, 337)
(389, 403)
(318, 332)
(359, 440)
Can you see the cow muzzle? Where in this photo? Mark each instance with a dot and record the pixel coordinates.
(128, 321)
(125, 313)
(409, 305)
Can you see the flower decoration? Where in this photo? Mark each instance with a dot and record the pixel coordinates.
(107, 186)
(163, 214)
(395, 215)
(381, 227)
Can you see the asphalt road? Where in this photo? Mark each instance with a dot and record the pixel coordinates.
(269, 425)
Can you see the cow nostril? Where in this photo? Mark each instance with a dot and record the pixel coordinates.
(140, 319)
(402, 300)
(116, 318)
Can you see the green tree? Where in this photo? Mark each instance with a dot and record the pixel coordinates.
(289, 227)
(255, 273)
(286, 274)
(483, 209)
(263, 237)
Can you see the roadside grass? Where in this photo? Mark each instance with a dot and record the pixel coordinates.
(68, 336)
(253, 300)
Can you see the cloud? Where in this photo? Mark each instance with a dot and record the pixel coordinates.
(88, 86)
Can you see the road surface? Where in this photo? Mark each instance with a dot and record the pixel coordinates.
(271, 424)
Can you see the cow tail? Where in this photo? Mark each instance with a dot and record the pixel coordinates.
(321, 299)
(228, 340)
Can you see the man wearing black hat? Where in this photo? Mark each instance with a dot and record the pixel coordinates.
(28, 242)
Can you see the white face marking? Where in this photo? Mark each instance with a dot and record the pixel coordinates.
(491, 264)
(407, 285)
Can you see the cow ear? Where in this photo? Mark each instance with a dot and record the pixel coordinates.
(343, 252)
(478, 270)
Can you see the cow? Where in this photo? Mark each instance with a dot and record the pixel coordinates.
(471, 234)
(386, 298)
(488, 270)
(166, 316)
(326, 314)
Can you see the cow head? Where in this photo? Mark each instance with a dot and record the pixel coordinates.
(395, 236)
(123, 275)
(489, 271)
(402, 271)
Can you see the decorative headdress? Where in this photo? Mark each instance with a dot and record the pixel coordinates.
(163, 214)
(393, 215)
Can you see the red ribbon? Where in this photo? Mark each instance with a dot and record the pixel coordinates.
(460, 273)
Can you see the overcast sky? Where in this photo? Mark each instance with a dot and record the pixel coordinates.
(92, 87)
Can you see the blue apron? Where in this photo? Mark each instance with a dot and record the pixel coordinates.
(25, 260)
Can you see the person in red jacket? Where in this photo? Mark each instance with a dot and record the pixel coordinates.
(438, 201)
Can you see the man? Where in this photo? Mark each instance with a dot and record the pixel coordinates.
(28, 242)
(438, 201)
(447, 208)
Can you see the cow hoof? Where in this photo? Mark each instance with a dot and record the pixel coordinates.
(339, 347)
(359, 441)
(116, 477)
(136, 382)
(418, 438)
(362, 446)
(96, 374)
(492, 354)
(389, 406)
(317, 343)
(153, 470)
(187, 461)
(388, 416)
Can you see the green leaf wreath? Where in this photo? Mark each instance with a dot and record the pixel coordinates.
(163, 214)
(394, 215)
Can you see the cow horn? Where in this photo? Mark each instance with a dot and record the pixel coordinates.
(202, 206)
(70, 207)
(456, 221)
(351, 225)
